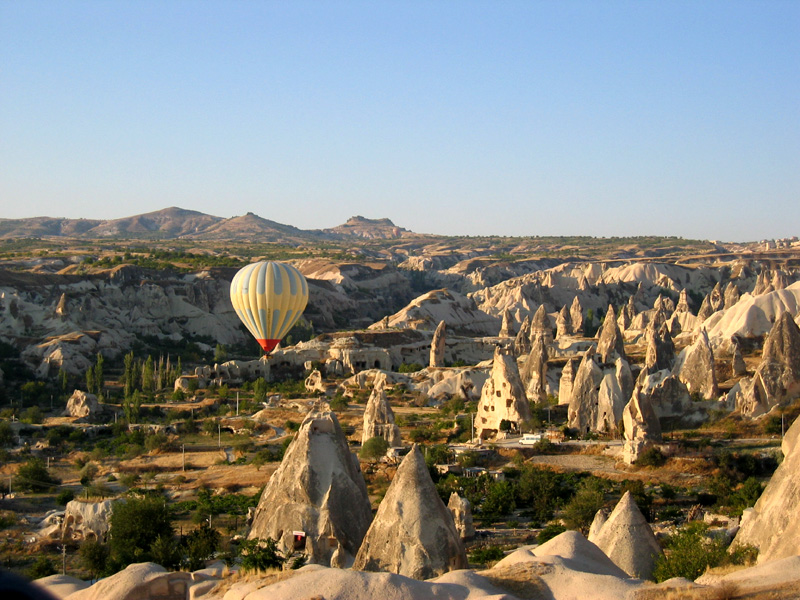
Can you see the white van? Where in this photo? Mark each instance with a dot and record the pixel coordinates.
(529, 439)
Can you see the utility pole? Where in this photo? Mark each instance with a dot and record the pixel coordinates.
(219, 434)
(237, 404)
(63, 559)
(183, 456)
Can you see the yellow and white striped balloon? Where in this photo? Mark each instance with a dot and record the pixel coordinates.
(269, 298)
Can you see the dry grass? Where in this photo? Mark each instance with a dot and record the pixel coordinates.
(259, 578)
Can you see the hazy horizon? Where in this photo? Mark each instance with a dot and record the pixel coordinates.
(453, 118)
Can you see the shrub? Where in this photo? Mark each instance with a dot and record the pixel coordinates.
(580, 511)
(260, 555)
(34, 476)
(65, 496)
(374, 448)
(135, 525)
(339, 403)
(42, 567)
(688, 553)
(651, 457)
(486, 555)
(94, 556)
(409, 368)
(549, 532)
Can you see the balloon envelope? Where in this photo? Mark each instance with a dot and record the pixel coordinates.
(269, 298)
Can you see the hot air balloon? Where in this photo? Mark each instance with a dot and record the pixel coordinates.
(269, 298)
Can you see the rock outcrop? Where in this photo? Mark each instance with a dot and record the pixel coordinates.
(379, 417)
(610, 345)
(640, 426)
(507, 326)
(438, 345)
(772, 525)
(83, 405)
(502, 397)
(576, 315)
(777, 377)
(413, 533)
(540, 325)
(318, 489)
(695, 367)
(522, 342)
(627, 539)
(731, 296)
(563, 323)
(660, 352)
(534, 371)
(582, 412)
(565, 383)
(86, 520)
(461, 509)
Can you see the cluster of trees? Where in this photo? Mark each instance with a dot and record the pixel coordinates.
(148, 376)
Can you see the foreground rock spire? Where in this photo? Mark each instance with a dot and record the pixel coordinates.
(610, 345)
(438, 346)
(502, 397)
(318, 490)
(413, 533)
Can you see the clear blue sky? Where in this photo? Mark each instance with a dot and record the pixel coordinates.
(453, 117)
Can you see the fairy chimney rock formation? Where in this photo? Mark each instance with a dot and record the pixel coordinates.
(640, 425)
(706, 310)
(565, 383)
(461, 509)
(522, 343)
(576, 315)
(610, 344)
(534, 371)
(540, 325)
(731, 296)
(695, 368)
(683, 302)
(507, 326)
(772, 525)
(318, 489)
(379, 417)
(777, 377)
(413, 533)
(660, 352)
(627, 539)
(563, 323)
(582, 412)
(83, 405)
(600, 518)
(502, 397)
(738, 366)
(437, 345)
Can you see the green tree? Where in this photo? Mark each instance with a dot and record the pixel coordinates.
(259, 389)
(166, 551)
(42, 567)
(34, 476)
(688, 553)
(132, 405)
(90, 381)
(149, 376)
(99, 374)
(7, 436)
(63, 380)
(201, 545)
(581, 509)
(94, 556)
(32, 414)
(374, 448)
(135, 526)
(220, 354)
(260, 555)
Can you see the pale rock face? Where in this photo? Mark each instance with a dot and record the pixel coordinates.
(627, 314)
(563, 323)
(738, 366)
(641, 427)
(413, 533)
(83, 405)
(683, 302)
(502, 397)
(610, 345)
(576, 315)
(614, 393)
(507, 327)
(540, 325)
(314, 382)
(695, 368)
(732, 295)
(522, 343)
(706, 310)
(670, 398)
(763, 283)
(660, 349)
(318, 489)
(780, 280)
(777, 378)
(461, 509)
(438, 345)
(717, 297)
(772, 525)
(565, 383)
(627, 539)
(379, 418)
(600, 518)
(86, 520)
(582, 412)
(534, 371)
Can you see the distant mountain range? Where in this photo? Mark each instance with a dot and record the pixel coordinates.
(179, 223)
